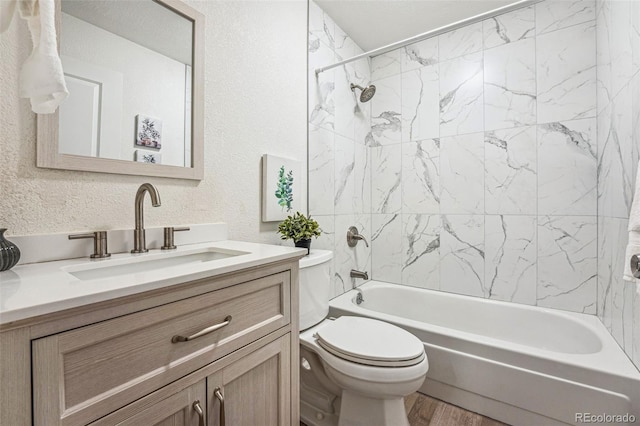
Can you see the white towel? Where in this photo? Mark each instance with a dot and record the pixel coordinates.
(634, 230)
(7, 10)
(41, 77)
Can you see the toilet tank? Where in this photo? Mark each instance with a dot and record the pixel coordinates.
(315, 287)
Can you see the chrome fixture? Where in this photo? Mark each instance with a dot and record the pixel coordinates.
(177, 338)
(359, 297)
(100, 250)
(367, 92)
(359, 274)
(198, 409)
(220, 397)
(168, 236)
(635, 265)
(353, 237)
(432, 33)
(139, 242)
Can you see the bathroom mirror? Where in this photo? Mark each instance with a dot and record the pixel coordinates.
(135, 81)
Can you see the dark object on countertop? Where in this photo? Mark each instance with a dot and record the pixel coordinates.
(9, 252)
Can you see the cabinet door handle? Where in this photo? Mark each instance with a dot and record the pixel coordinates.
(218, 394)
(196, 406)
(177, 338)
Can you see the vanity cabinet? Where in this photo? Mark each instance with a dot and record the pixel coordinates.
(184, 408)
(253, 391)
(161, 357)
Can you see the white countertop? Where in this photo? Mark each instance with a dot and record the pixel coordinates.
(42, 288)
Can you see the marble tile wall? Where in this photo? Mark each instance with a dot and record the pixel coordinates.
(486, 182)
(496, 160)
(340, 161)
(618, 137)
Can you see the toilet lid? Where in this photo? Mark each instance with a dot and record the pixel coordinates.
(370, 342)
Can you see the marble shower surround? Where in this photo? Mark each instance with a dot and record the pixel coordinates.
(507, 107)
(488, 188)
(339, 159)
(618, 106)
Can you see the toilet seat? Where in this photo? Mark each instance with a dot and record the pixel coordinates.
(370, 342)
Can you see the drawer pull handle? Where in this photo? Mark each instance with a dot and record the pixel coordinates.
(176, 338)
(218, 394)
(196, 406)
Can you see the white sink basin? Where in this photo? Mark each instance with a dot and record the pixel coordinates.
(135, 264)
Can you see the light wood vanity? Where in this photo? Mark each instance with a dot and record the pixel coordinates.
(122, 361)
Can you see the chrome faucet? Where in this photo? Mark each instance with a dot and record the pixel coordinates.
(364, 276)
(359, 274)
(139, 242)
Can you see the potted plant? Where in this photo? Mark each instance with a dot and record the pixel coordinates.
(300, 229)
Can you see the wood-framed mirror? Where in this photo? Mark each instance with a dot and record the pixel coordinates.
(135, 75)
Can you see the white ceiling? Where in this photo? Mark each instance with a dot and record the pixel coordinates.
(376, 23)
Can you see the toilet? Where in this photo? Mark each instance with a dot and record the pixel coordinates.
(354, 371)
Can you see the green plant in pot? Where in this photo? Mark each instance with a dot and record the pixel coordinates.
(300, 229)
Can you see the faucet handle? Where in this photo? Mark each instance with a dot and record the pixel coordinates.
(100, 250)
(353, 237)
(168, 236)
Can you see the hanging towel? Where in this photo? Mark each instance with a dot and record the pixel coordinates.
(41, 77)
(634, 230)
(7, 10)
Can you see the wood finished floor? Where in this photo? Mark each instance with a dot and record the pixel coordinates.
(426, 411)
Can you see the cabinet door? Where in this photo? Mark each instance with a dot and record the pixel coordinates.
(184, 408)
(256, 389)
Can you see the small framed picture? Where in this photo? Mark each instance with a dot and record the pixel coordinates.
(281, 187)
(148, 132)
(142, 156)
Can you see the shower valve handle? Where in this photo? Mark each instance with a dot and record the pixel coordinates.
(353, 237)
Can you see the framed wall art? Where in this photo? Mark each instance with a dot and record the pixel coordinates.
(148, 132)
(281, 187)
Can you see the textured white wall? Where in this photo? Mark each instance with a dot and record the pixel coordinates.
(255, 83)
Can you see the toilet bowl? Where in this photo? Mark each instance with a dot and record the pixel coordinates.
(354, 371)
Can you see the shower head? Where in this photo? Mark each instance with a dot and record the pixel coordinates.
(367, 93)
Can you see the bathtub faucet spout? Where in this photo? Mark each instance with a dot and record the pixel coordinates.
(359, 274)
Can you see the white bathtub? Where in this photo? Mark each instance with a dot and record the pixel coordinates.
(519, 364)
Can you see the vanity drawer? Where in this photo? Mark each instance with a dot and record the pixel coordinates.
(83, 374)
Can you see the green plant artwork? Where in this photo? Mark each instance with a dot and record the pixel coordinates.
(280, 177)
(284, 191)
